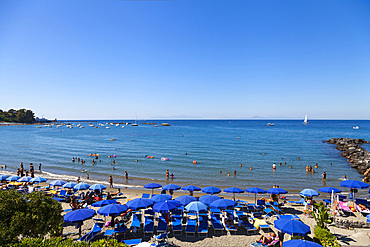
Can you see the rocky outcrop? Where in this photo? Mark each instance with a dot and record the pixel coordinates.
(354, 153)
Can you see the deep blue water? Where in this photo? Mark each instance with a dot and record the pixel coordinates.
(214, 144)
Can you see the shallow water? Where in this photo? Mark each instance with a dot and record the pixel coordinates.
(216, 145)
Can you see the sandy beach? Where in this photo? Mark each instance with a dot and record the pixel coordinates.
(353, 237)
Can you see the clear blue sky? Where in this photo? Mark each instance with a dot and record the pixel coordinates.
(110, 59)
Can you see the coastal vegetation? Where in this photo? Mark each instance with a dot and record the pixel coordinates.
(17, 116)
(58, 241)
(322, 234)
(28, 215)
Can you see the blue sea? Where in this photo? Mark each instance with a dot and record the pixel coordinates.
(215, 145)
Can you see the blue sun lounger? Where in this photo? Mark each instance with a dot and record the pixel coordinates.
(131, 242)
(203, 227)
(162, 225)
(191, 226)
(216, 224)
(176, 226)
(148, 226)
(91, 234)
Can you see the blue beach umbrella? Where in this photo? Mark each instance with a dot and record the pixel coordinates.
(191, 188)
(300, 243)
(309, 193)
(24, 179)
(292, 227)
(368, 218)
(81, 186)
(13, 178)
(97, 187)
(104, 203)
(3, 177)
(223, 203)
(152, 186)
(233, 190)
(185, 200)
(276, 191)
(354, 184)
(208, 199)
(79, 215)
(112, 209)
(69, 185)
(255, 191)
(166, 206)
(38, 180)
(58, 183)
(211, 190)
(329, 190)
(196, 207)
(161, 198)
(171, 187)
(139, 203)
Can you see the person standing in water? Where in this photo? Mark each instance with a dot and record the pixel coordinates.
(110, 182)
(324, 176)
(126, 175)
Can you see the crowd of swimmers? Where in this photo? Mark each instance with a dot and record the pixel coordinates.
(21, 172)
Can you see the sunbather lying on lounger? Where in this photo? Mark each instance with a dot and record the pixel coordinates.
(267, 239)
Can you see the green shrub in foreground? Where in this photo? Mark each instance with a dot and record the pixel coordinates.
(59, 242)
(325, 237)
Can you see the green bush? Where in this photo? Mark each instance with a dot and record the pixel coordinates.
(59, 242)
(325, 237)
(31, 215)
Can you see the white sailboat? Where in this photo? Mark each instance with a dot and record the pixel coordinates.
(305, 120)
(135, 124)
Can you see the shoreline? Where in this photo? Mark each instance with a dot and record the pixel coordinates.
(138, 190)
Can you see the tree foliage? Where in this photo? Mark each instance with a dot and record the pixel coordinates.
(28, 215)
(17, 116)
(321, 215)
(324, 237)
(59, 242)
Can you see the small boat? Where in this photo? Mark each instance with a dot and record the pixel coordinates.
(107, 127)
(155, 125)
(270, 124)
(165, 124)
(135, 124)
(123, 126)
(356, 127)
(305, 121)
(112, 139)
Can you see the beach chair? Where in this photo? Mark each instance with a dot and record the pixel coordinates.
(161, 240)
(249, 228)
(260, 204)
(216, 224)
(203, 227)
(136, 223)
(177, 226)
(342, 197)
(269, 212)
(276, 209)
(148, 226)
(120, 230)
(145, 195)
(363, 212)
(132, 242)
(191, 226)
(297, 203)
(109, 233)
(261, 224)
(344, 209)
(230, 229)
(162, 225)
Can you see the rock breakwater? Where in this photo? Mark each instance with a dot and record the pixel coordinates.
(354, 153)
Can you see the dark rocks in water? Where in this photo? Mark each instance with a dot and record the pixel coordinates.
(354, 153)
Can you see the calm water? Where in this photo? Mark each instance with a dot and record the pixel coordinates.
(214, 144)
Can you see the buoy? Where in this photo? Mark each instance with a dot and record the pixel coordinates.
(112, 139)
(194, 162)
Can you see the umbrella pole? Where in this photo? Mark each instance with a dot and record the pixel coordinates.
(255, 198)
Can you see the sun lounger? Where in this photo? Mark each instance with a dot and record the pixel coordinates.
(177, 226)
(288, 216)
(162, 225)
(161, 240)
(145, 195)
(363, 212)
(247, 226)
(269, 212)
(131, 242)
(276, 209)
(191, 226)
(203, 227)
(109, 233)
(261, 224)
(342, 197)
(136, 223)
(297, 203)
(344, 208)
(148, 226)
(216, 224)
